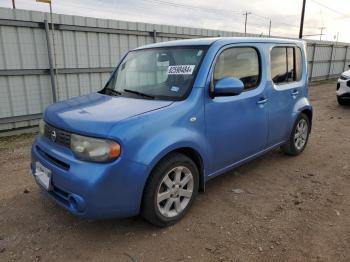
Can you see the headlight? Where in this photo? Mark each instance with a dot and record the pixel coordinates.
(343, 77)
(41, 127)
(94, 149)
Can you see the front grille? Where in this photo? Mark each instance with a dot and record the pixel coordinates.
(57, 135)
(52, 159)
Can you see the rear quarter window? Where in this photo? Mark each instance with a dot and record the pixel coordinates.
(286, 65)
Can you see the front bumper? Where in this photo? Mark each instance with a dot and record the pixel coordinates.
(343, 88)
(91, 190)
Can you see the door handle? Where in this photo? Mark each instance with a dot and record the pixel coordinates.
(295, 92)
(262, 101)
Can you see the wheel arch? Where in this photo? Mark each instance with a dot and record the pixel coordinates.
(308, 112)
(191, 153)
(302, 106)
(197, 159)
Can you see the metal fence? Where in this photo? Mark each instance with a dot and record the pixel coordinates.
(86, 50)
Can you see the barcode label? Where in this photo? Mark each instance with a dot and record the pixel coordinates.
(181, 70)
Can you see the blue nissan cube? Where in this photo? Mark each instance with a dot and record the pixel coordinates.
(172, 116)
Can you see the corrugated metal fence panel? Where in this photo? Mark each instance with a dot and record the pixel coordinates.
(24, 95)
(323, 53)
(309, 52)
(337, 68)
(339, 53)
(22, 48)
(320, 70)
(72, 85)
(93, 46)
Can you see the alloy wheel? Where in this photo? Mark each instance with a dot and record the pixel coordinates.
(301, 134)
(175, 191)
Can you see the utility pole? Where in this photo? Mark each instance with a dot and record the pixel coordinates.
(53, 45)
(246, 20)
(13, 4)
(270, 28)
(321, 34)
(302, 20)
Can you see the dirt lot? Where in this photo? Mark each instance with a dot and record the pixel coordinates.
(291, 209)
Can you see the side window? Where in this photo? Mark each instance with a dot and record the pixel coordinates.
(298, 64)
(290, 61)
(286, 64)
(239, 62)
(279, 65)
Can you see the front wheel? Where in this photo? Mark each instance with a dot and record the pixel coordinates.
(298, 137)
(341, 101)
(170, 191)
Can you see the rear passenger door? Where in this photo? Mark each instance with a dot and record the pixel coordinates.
(286, 73)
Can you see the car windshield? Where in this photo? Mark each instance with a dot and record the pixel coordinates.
(159, 73)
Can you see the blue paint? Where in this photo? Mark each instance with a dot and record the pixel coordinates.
(228, 131)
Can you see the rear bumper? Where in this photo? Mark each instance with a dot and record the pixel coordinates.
(91, 190)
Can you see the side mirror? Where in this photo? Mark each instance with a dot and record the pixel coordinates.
(228, 86)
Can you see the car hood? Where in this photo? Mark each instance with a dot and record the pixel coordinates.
(96, 114)
(346, 73)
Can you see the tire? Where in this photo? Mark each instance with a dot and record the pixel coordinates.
(341, 101)
(299, 136)
(170, 190)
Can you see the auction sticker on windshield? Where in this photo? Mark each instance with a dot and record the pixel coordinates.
(181, 70)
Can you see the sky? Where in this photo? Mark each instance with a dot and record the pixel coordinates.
(216, 14)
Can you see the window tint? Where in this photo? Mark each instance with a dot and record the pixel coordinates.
(278, 65)
(298, 64)
(241, 63)
(286, 64)
(290, 61)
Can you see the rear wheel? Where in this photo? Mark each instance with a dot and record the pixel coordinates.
(298, 137)
(170, 191)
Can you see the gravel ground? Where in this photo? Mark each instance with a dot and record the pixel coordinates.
(287, 208)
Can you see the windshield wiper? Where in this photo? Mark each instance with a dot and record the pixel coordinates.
(113, 92)
(139, 93)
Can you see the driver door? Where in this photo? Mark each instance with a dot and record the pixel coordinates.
(237, 126)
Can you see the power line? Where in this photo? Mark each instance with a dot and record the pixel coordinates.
(235, 20)
(262, 17)
(330, 8)
(207, 9)
(218, 10)
(191, 6)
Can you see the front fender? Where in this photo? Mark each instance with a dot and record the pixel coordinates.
(167, 141)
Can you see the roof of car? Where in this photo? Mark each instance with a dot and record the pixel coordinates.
(223, 40)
